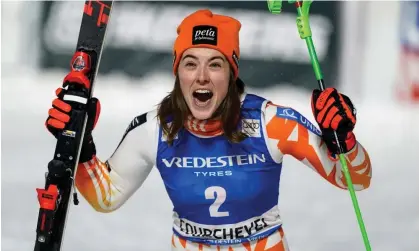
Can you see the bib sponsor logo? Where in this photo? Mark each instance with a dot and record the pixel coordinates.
(231, 233)
(214, 162)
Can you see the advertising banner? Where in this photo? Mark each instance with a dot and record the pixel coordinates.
(141, 36)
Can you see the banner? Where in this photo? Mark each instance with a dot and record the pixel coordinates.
(141, 36)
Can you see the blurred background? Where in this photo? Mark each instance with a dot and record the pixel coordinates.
(369, 50)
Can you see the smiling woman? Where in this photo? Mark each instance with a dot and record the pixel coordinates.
(218, 149)
(205, 89)
(204, 74)
(207, 85)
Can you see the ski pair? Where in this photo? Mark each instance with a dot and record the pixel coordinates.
(54, 198)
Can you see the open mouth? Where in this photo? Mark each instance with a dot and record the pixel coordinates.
(202, 95)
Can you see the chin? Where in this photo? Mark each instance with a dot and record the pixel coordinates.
(202, 115)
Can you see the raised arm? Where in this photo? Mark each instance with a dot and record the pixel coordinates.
(291, 133)
(108, 185)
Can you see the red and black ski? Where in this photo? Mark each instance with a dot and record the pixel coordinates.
(54, 199)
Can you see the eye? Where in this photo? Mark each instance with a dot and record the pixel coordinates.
(215, 64)
(190, 64)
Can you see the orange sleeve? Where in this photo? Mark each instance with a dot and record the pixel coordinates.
(107, 185)
(295, 135)
(93, 182)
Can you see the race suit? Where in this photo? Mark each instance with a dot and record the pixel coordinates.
(225, 195)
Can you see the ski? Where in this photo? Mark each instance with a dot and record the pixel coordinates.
(54, 198)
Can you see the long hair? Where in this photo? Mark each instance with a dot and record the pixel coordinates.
(173, 109)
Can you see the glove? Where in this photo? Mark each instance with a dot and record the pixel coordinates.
(60, 114)
(334, 111)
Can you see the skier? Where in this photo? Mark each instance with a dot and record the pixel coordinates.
(218, 149)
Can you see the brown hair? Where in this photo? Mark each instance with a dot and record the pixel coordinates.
(174, 109)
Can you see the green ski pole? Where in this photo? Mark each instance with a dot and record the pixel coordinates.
(304, 30)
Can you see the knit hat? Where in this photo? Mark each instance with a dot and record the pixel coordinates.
(205, 29)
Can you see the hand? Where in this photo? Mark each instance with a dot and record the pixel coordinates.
(60, 114)
(334, 111)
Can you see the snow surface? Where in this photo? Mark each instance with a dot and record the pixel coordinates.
(316, 215)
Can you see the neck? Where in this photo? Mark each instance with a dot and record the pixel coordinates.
(207, 127)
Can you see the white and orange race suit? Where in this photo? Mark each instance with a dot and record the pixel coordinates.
(225, 195)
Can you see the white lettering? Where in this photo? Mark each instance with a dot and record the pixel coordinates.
(206, 33)
(241, 160)
(260, 158)
(230, 160)
(214, 162)
(222, 161)
(309, 125)
(198, 162)
(187, 162)
(211, 162)
(177, 162)
(168, 163)
(214, 174)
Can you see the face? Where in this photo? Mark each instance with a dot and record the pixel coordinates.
(204, 76)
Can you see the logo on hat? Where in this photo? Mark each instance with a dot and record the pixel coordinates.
(174, 58)
(204, 34)
(236, 59)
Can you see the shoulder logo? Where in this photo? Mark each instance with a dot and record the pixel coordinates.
(251, 127)
(285, 112)
(289, 113)
(137, 121)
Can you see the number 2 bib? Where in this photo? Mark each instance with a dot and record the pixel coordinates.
(222, 193)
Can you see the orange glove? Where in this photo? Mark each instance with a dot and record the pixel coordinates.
(334, 111)
(60, 114)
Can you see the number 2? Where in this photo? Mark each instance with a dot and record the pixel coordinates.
(219, 194)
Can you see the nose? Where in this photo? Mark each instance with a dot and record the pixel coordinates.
(203, 76)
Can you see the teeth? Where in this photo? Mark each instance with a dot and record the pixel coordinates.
(202, 91)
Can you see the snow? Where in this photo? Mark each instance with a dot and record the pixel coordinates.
(316, 215)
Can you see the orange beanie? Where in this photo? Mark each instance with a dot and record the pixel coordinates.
(205, 29)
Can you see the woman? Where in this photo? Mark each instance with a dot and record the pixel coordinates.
(218, 149)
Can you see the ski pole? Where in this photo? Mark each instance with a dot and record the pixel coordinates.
(304, 30)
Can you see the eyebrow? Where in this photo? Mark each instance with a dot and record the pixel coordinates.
(194, 57)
